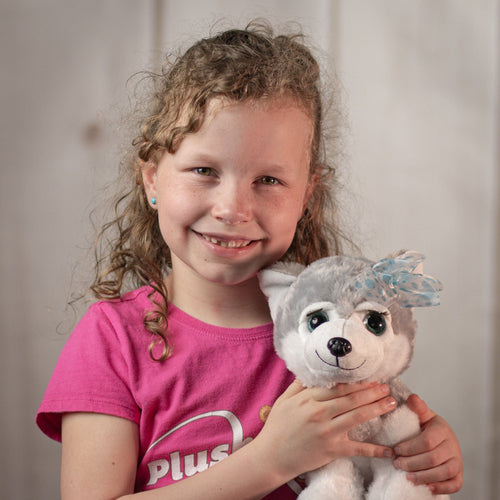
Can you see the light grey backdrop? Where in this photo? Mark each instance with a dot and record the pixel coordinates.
(420, 165)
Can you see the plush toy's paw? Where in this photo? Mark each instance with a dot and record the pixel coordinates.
(339, 480)
(393, 485)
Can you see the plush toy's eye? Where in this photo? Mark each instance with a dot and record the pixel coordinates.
(375, 322)
(315, 319)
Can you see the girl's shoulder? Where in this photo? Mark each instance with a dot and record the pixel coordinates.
(131, 298)
(120, 319)
(137, 301)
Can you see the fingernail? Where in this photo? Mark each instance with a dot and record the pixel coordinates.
(391, 403)
(388, 453)
(412, 478)
(397, 464)
(397, 450)
(385, 389)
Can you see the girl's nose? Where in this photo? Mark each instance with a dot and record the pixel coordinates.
(232, 204)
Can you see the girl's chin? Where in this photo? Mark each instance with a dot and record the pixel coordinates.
(232, 278)
(235, 270)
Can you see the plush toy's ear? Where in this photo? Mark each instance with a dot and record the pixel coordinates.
(275, 285)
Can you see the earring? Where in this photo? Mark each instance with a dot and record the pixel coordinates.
(153, 201)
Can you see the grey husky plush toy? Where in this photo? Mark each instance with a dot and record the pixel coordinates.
(347, 319)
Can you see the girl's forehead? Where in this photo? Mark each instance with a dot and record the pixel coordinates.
(263, 104)
(265, 124)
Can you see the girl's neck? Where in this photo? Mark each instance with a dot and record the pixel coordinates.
(234, 306)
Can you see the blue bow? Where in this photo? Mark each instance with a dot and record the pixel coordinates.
(395, 279)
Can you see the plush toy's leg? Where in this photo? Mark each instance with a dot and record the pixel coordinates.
(391, 484)
(339, 480)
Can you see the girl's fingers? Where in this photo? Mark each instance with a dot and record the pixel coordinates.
(417, 405)
(433, 457)
(447, 487)
(431, 438)
(324, 394)
(345, 421)
(362, 405)
(447, 475)
(424, 461)
(343, 396)
(359, 449)
(352, 404)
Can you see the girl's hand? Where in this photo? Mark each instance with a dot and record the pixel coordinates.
(308, 428)
(433, 457)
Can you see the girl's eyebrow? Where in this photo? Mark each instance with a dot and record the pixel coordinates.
(206, 157)
(199, 157)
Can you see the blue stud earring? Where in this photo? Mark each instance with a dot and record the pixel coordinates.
(153, 201)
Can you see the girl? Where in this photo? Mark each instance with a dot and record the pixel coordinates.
(162, 392)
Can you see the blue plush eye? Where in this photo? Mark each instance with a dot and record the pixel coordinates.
(315, 319)
(375, 323)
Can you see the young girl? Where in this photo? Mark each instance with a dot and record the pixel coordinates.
(164, 391)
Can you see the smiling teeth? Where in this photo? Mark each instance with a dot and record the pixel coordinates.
(227, 244)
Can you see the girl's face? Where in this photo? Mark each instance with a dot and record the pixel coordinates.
(229, 198)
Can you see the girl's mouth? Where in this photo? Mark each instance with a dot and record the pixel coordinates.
(226, 243)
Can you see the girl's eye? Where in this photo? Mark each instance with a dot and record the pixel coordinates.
(269, 181)
(315, 319)
(375, 323)
(203, 171)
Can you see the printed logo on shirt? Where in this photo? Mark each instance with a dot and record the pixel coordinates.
(179, 466)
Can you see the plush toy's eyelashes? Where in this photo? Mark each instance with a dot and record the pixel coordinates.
(316, 318)
(375, 322)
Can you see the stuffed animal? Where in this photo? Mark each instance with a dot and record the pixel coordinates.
(347, 319)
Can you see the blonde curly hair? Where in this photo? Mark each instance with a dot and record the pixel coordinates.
(234, 65)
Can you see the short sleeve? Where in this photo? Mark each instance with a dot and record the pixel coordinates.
(92, 374)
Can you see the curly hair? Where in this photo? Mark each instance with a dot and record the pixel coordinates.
(235, 65)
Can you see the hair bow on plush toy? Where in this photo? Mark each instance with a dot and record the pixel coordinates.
(400, 281)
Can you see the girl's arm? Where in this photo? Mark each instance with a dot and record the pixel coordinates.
(305, 429)
(99, 456)
(434, 456)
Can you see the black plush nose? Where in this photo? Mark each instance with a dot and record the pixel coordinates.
(339, 347)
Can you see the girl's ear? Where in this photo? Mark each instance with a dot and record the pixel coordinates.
(148, 173)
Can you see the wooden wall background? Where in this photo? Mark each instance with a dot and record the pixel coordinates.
(420, 164)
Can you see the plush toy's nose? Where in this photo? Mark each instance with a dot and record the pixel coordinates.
(339, 347)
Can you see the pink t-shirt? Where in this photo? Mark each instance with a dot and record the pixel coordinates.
(193, 409)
